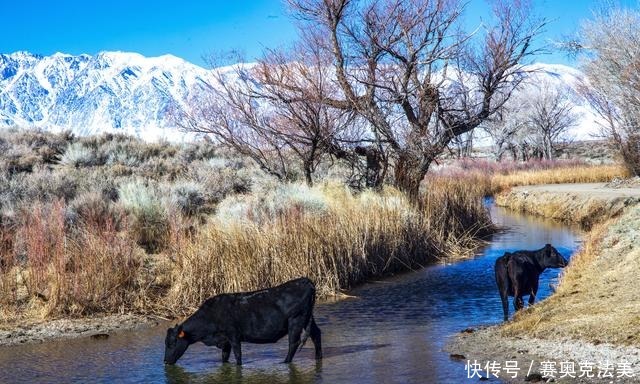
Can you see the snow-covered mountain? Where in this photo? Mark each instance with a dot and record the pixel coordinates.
(112, 91)
(130, 93)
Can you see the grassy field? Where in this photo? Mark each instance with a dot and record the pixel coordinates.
(496, 177)
(109, 224)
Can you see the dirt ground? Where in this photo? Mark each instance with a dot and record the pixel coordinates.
(597, 190)
(35, 332)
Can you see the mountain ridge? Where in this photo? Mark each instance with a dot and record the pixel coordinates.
(116, 91)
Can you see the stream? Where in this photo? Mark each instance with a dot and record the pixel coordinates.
(393, 331)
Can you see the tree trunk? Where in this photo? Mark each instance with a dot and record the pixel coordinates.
(409, 173)
(547, 147)
(374, 168)
(308, 174)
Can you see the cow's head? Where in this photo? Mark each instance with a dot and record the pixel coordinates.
(551, 258)
(175, 344)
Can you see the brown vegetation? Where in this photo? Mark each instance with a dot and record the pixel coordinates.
(114, 225)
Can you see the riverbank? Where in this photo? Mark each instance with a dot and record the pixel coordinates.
(98, 328)
(593, 316)
(586, 204)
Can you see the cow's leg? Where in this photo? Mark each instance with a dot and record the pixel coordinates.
(226, 351)
(505, 305)
(237, 350)
(315, 337)
(296, 325)
(518, 303)
(534, 292)
(502, 281)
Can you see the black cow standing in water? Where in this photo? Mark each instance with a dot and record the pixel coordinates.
(517, 274)
(261, 317)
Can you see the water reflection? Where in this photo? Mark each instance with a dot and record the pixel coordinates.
(392, 332)
(231, 374)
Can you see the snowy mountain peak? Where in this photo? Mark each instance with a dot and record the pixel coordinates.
(111, 91)
(126, 92)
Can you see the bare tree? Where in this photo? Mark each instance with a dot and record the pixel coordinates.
(273, 112)
(550, 116)
(409, 71)
(504, 128)
(533, 121)
(610, 48)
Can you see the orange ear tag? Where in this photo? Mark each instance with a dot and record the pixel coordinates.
(181, 334)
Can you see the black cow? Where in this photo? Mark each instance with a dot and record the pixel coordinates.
(262, 317)
(517, 274)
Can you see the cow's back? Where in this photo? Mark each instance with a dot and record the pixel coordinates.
(262, 316)
(522, 270)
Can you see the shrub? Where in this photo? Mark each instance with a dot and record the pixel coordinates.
(18, 158)
(47, 185)
(94, 209)
(220, 178)
(80, 155)
(188, 197)
(149, 223)
(269, 205)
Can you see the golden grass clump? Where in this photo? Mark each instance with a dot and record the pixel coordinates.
(572, 174)
(356, 238)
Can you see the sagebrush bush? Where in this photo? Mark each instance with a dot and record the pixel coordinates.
(80, 155)
(188, 197)
(220, 178)
(18, 158)
(149, 219)
(95, 209)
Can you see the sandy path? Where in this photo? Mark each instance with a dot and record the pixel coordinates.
(598, 190)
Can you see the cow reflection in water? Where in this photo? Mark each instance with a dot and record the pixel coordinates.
(227, 373)
(262, 317)
(517, 274)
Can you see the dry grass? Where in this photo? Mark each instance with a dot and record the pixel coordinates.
(597, 298)
(356, 238)
(55, 271)
(572, 174)
(495, 177)
(579, 207)
(336, 237)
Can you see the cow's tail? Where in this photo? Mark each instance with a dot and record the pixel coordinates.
(307, 329)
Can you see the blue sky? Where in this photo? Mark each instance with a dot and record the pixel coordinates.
(191, 29)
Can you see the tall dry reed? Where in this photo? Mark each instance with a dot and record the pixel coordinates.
(357, 238)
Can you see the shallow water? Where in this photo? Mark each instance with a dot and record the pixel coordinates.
(393, 332)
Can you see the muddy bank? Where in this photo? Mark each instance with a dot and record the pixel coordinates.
(594, 314)
(101, 327)
(584, 204)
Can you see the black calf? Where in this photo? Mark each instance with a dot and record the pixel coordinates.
(517, 274)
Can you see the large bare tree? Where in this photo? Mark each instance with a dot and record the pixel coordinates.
(610, 48)
(550, 115)
(407, 68)
(534, 120)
